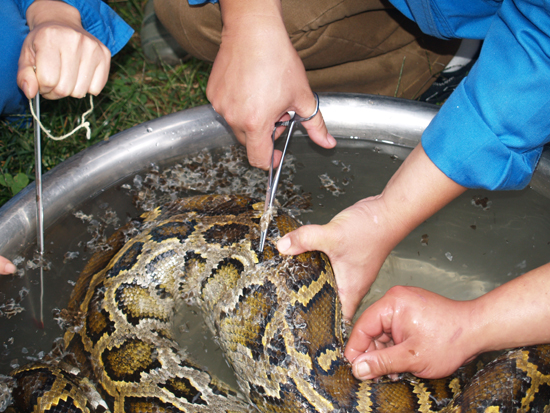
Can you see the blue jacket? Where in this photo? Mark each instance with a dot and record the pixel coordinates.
(97, 18)
(490, 132)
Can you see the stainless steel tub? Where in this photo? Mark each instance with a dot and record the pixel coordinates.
(348, 116)
(459, 262)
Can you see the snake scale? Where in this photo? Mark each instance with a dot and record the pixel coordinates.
(277, 319)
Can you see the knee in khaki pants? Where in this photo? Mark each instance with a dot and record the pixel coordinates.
(196, 28)
(362, 46)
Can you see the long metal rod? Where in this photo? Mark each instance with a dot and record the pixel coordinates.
(38, 178)
(39, 205)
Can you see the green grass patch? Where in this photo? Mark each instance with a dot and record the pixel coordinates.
(137, 91)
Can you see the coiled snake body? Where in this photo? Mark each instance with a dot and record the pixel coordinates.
(277, 319)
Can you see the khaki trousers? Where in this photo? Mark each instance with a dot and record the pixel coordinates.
(364, 46)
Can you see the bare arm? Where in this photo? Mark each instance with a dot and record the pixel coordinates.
(411, 329)
(414, 330)
(258, 76)
(359, 239)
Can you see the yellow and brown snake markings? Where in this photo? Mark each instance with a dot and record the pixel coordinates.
(277, 319)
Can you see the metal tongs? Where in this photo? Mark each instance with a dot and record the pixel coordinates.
(273, 180)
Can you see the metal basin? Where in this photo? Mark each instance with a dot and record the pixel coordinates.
(348, 116)
(470, 251)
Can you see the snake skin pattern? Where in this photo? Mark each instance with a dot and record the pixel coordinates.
(277, 319)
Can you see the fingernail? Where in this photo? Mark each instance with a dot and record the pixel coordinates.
(9, 268)
(283, 244)
(25, 88)
(362, 369)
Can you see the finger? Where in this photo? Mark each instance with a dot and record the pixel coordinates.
(48, 71)
(306, 238)
(318, 132)
(83, 80)
(101, 74)
(391, 360)
(6, 266)
(373, 325)
(27, 81)
(277, 158)
(316, 127)
(254, 135)
(259, 148)
(67, 75)
(93, 70)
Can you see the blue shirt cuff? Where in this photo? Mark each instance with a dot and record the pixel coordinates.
(464, 148)
(490, 132)
(448, 19)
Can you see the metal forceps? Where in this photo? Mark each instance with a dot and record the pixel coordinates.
(273, 179)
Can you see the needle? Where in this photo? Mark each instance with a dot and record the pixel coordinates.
(39, 206)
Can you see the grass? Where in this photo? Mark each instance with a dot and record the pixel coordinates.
(137, 91)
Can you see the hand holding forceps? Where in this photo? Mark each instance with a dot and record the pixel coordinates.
(273, 180)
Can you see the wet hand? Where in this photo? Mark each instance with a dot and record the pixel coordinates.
(412, 330)
(68, 60)
(357, 241)
(257, 77)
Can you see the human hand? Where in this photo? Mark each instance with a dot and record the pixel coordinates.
(6, 266)
(68, 60)
(258, 76)
(412, 330)
(357, 241)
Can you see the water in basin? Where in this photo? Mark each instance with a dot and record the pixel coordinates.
(479, 241)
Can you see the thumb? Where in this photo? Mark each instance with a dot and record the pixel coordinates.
(26, 76)
(306, 238)
(316, 127)
(318, 132)
(387, 361)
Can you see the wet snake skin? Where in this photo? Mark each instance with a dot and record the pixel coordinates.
(277, 319)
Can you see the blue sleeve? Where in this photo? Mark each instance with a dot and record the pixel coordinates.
(448, 19)
(98, 19)
(198, 2)
(490, 132)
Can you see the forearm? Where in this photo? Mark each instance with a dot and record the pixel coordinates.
(514, 314)
(48, 11)
(359, 239)
(415, 192)
(237, 13)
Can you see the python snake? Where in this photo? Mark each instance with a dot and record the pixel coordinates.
(277, 319)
